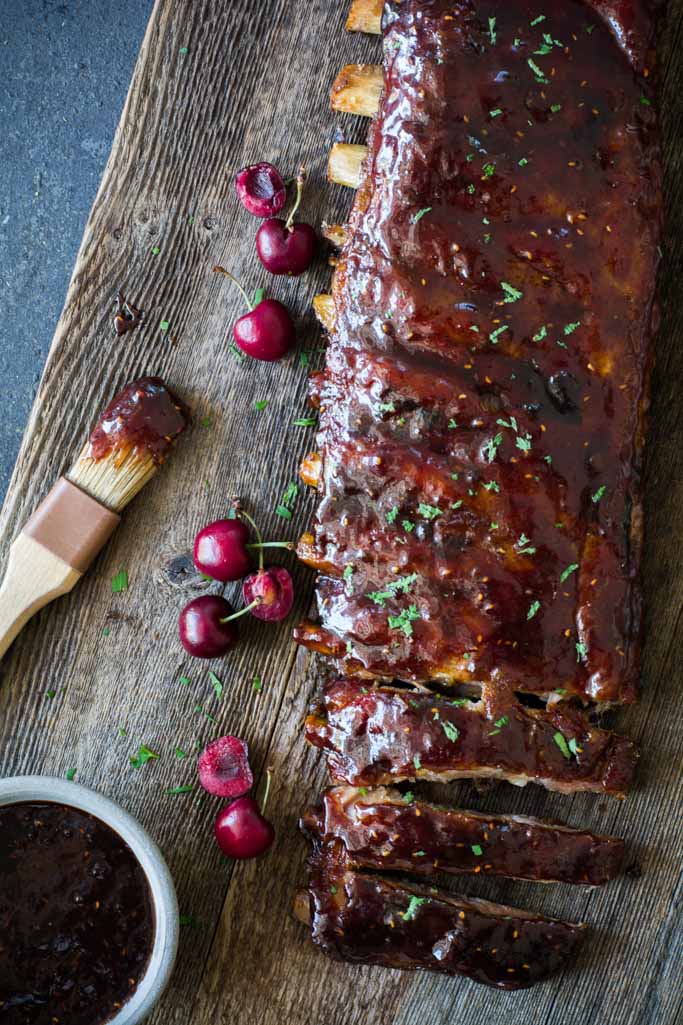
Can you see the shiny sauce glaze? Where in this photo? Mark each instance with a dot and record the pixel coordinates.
(383, 829)
(76, 917)
(146, 418)
(382, 735)
(486, 378)
(367, 919)
(127, 317)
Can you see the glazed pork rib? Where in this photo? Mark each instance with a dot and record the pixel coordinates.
(381, 829)
(490, 326)
(384, 735)
(364, 918)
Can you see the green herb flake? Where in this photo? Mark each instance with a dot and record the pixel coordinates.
(287, 500)
(183, 50)
(495, 113)
(452, 425)
(533, 609)
(348, 572)
(257, 685)
(492, 485)
(555, 108)
(492, 31)
(491, 447)
(451, 731)
(581, 651)
(523, 443)
(401, 585)
(187, 789)
(305, 421)
(430, 512)
(523, 162)
(470, 189)
(408, 525)
(49, 694)
(477, 850)
(420, 214)
(417, 762)
(495, 335)
(645, 102)
(540, 77)
(538, 20)
(143, 756)
(540, 334)
(599, 494)
(511, 424)
(489, 170)
(180, 754)
(260, 405)
(456, 505)
(106, 631)
(119, 582)
(498, 725)
(71, 774)
(566, 573)
(184, 680)
(404, 621)
(155, 250)
(569, 329)
(164, 325)
(217, 685)
(411, 913)
(574, 747)
(392, 514)
(409, 797)
(562, 744)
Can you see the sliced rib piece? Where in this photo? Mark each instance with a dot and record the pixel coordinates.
(365, 16)
(486, 378)
(357, 89)
(382, 829)
(366, 919)
(384, 735)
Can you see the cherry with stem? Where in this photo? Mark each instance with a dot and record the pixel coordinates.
(286, 247)
(267, 331)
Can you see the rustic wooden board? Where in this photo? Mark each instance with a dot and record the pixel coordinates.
(253, 85)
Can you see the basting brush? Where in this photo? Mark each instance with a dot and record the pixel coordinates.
(79, 515)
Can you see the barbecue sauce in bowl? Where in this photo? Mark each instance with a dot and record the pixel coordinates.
(76, 917)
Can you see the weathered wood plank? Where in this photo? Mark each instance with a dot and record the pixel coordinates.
(254, 84)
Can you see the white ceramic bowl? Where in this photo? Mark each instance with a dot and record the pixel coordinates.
(160, 967)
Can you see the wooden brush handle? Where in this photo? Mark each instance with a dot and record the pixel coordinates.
(51, 554)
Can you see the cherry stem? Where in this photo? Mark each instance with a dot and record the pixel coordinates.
(269, 776)
(260, 544)
(300, 182)
(222, 270)
(242, 612)
(289, 545)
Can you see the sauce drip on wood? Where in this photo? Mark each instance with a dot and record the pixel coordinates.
(76, 917)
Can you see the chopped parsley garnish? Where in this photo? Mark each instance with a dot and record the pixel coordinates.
(185, 680)
(555, 107)
(538, 20)
(569, 329)
(573, 747)
(540, 77)
(119, 582)
(496, 112)
(409, 797)
(155, 250)
(645, 102)
(164, 325)
(581, 651)
(533, 609)
(217, 685)
(498, 724)
(489, 170)
(187, 789)
(523, 162)
(492, 31)
(416, 762)
(451, 731)
(404, 621)
(257, 684)
(495, 335)
(562, 744)
(179, 753)
(411, 913)
(511, 294)
(476, 850)
(524, 547)
(452, 425)
(599, 493)
(305, 421)
(71, 774)
(407, 525)
(402, 584)
(540, 334)
(143, 756)
(420, 214)
(470, 189)
(492, 485)
(260, 405)
(491, 447)
(430, 512)
(348, 572)
(392, 514)
(523, 442)
(287, 500)
(511, 424)
(386, 407)
(456, 505)
(566, 573)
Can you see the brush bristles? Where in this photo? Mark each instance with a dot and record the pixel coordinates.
(115, 479)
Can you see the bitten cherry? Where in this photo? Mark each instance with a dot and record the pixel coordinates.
(261, 189)
(241, 830)
(273, 591)
(224, 768)
(267, 332)
(284, 247)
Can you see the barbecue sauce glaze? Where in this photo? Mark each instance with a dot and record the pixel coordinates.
(145, 417)
(76, 917)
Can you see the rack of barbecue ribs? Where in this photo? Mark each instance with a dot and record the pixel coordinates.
(482, 418)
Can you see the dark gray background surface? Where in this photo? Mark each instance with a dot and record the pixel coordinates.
(65, 67)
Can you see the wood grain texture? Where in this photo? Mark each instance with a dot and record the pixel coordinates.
(254, 84)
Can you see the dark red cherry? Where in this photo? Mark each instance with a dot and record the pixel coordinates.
(220, 550)
(284, 247)
(275, 590)
(284, 250)
(261, 189)
(203, 630)
(241, 830)
(267, 332)
(224, 768)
